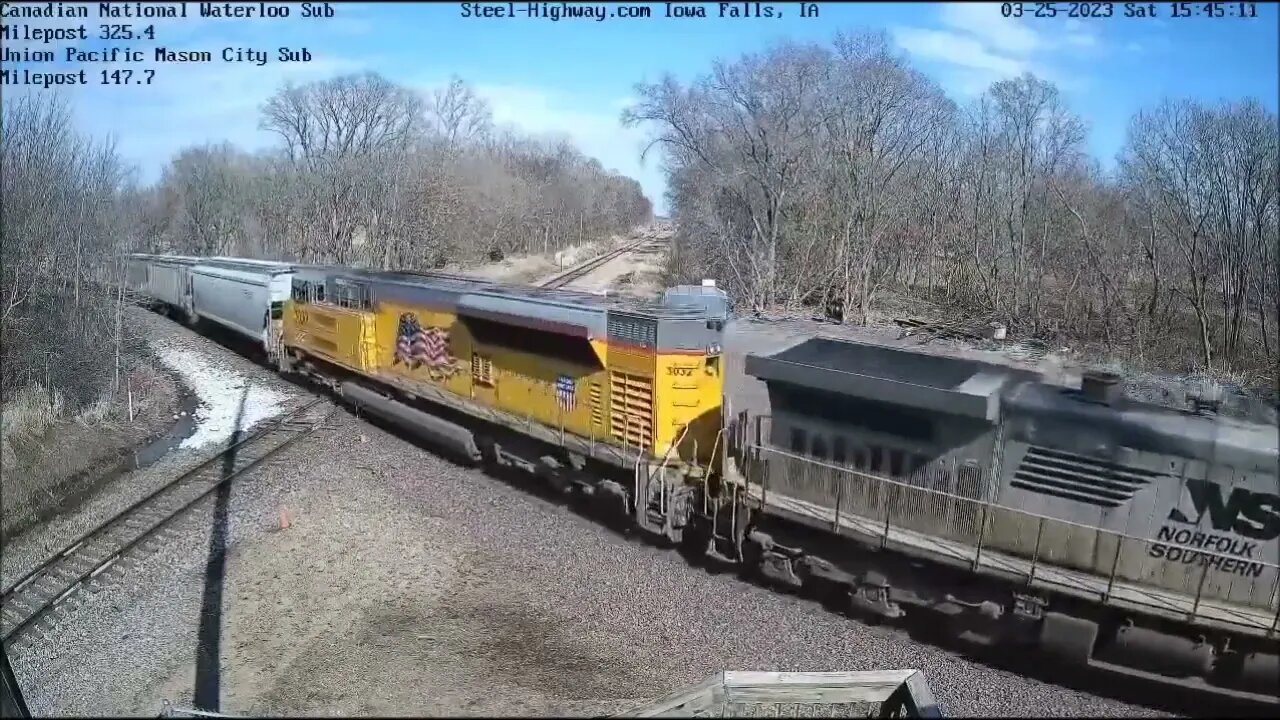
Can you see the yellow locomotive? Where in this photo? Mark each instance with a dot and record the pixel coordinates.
(550, 380)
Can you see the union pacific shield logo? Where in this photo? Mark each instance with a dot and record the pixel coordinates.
(566, 392)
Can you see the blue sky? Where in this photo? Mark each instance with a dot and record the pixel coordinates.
(574, 76)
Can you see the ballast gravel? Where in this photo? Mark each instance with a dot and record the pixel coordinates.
(216, 372)
(364, 575)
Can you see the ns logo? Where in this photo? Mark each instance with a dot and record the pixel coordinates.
(1255, 515)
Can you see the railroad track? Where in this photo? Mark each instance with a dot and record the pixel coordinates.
(38, 593)
(565, 277)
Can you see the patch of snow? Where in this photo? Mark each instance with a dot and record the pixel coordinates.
(222, 392)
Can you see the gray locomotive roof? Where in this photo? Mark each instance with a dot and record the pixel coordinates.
(565, 318)
(976, 389)
(450, 289)
(277, 265)
(168, 259)
(261, 271)
(927, 382)
(1148, 427)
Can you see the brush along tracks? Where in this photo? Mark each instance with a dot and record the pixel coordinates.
(563, 278)
(45, 590)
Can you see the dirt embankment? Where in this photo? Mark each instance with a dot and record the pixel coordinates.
(51, 454)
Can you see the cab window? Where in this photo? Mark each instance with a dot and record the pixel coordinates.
(351, 295)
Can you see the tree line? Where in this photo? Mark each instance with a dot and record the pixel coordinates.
(840, 175)
(366, 172)
(63, 212)
(801, 175)
(363, 172)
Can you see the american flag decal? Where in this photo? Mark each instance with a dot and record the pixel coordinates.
(417, 346)
(566, 392)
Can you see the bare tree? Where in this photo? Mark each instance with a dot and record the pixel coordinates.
(805, 175)
(458, 115)
(341, 131)
(749, 126)
(59, 277)
(207, 190)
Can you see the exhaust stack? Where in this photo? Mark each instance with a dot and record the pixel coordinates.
(1101, 387)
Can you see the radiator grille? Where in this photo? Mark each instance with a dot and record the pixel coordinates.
(631, 409)
(1080, 478)
(633, 330)
(597, 415)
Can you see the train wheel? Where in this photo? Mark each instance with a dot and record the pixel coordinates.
(489, 459)
(696, 538)
(552, 472)
(751, 555)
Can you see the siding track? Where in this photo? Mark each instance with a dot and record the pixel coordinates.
(563, 278)
(46, 588)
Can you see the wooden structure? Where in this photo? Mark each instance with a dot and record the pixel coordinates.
(12, 704)
(891, 693)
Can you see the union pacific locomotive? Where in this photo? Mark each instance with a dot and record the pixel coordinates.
(614, 399)
(1103, 531)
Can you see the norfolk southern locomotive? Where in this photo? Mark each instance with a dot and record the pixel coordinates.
(1107, 532)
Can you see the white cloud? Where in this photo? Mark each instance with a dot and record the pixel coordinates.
(193, 105)
(1079, 34)
(956, 49)
(977, 46)
(985, 22)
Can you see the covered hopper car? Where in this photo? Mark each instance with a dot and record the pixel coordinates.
(165, 279)
(243, 295)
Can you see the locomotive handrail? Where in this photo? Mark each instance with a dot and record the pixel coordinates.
(666, 456)
(887, 479)
(988, 503)
(1233, 616)
(706, 476)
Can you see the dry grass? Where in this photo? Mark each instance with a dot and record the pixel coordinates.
(49, 450)
(534, 267)
(29, 413)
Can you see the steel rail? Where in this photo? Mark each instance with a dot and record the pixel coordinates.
(105, 557)
(567, 276)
